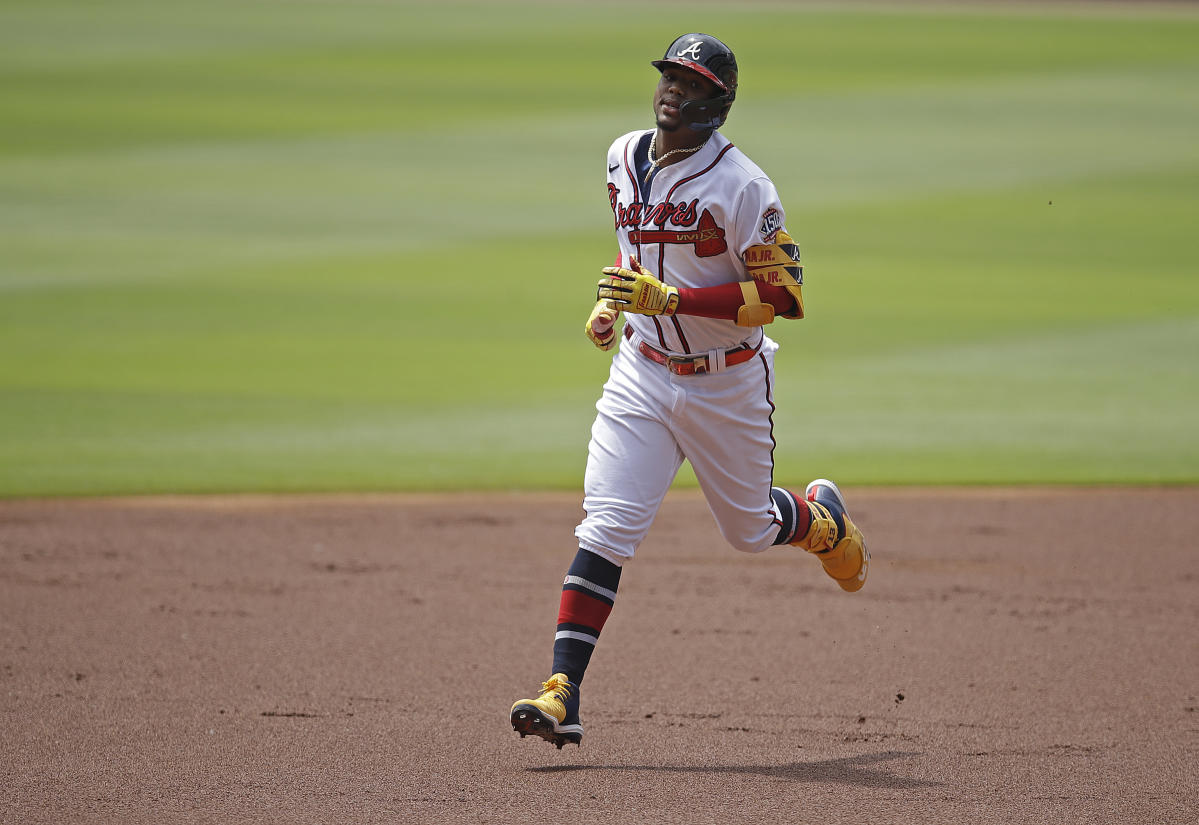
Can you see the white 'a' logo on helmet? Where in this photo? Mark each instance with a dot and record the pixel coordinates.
(691, 51)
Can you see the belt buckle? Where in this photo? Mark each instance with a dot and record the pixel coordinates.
(678, 364)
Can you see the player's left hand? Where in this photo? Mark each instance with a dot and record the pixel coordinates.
(637, 290)
(601, 325)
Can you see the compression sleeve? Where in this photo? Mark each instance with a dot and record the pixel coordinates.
(724, 300)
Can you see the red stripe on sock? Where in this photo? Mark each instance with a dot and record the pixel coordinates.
(803, 517)
(577, 607)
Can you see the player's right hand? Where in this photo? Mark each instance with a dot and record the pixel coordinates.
(601, 325)
(637, 290)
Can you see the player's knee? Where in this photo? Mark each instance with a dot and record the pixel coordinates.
(746, 529)
(748, 541)
(613, 529)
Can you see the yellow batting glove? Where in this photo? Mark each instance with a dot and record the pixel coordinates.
(637, 290)
(601, 325)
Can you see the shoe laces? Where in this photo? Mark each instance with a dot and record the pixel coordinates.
(559, 687)
(824, 526)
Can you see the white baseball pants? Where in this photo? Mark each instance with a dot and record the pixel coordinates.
(649, 420)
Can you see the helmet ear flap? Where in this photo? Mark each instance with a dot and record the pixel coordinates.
(705, 115)
(728, 105)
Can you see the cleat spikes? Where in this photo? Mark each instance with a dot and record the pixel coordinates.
(552, 716)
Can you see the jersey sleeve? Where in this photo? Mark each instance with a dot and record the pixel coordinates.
(765, 250)
(758, 216)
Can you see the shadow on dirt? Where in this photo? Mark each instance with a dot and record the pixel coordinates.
(851, 770)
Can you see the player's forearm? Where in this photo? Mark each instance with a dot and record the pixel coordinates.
(725, 300)
(748, 303)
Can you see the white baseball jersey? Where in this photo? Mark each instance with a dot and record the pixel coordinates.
(690, 225)
(691, 229)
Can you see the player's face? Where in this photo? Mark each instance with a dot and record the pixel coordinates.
(676, 86)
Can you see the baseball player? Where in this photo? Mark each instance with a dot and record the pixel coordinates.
(705, 263)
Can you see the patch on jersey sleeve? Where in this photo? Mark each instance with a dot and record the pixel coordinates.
(772, 222)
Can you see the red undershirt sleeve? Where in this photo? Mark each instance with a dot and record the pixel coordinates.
(724, 300)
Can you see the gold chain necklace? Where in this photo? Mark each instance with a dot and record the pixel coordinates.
(654, 163)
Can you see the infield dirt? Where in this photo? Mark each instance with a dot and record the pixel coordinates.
(1020, 655)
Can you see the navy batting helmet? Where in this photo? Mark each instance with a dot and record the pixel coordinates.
(714, 60)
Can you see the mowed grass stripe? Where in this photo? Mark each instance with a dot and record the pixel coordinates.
(298, 197)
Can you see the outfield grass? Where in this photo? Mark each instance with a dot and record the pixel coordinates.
(326, 246)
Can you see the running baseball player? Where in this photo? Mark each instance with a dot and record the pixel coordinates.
(705, 263)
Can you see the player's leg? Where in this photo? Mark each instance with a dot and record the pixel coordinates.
(588, 593)
(632, 460)
(729, 440)
(725, 427)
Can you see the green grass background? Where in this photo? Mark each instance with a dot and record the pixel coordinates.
(321, 246)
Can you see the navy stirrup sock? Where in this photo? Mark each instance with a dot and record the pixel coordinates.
(794, 517)
(587, 597)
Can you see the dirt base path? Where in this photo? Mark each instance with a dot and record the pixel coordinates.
(1017, 656)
